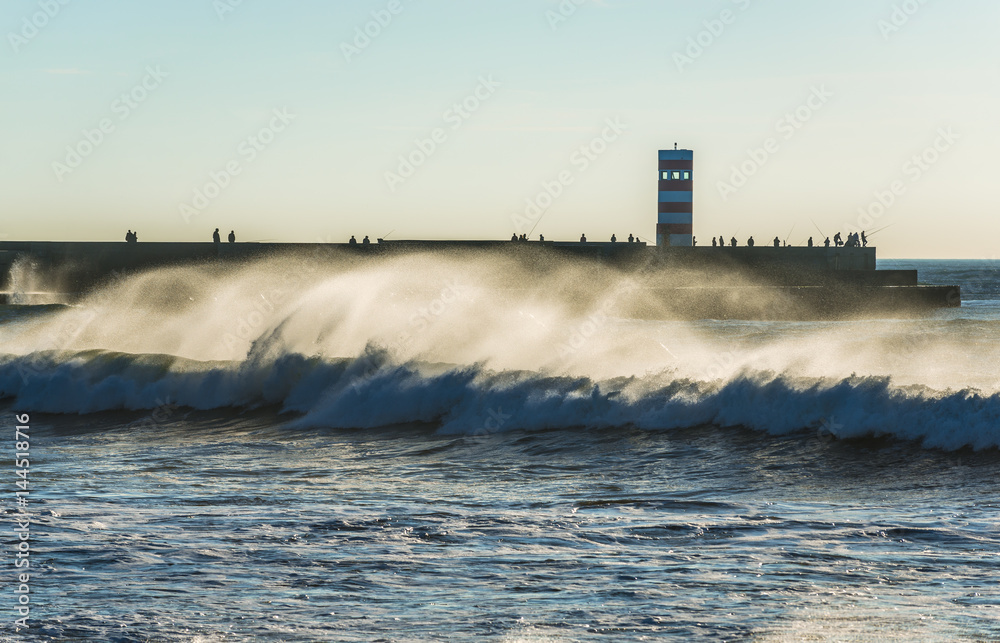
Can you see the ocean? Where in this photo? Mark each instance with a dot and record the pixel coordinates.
(435, 448)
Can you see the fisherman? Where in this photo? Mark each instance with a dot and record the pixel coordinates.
(715, 242)
(513, 237)
(216, 238)
(810, 242)
(365, 241)
(750, 242)
(524, 237)
(583, 238)
(541, 237)
(128, 237)
(232, 236)
(864, 239)
(631, 239)
(777, 242)
(837, 240)
(353, 241)
(732, 242)
(614, 239)
(694, 241)
(827, 242)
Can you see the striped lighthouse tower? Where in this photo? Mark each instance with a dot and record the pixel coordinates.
(675, 213)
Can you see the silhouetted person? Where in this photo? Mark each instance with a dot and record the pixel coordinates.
(524, 237)
(352, 241)
(366, 241)
(864, 239)
(750, 242)
(777, 242)
(215, 236)
(614, 239)
(694, 241)
(129, 237)
(837, 240)
(232, 236)
(732, 242)
(135, 237)
(722, 241)
(715, 242)
(810, 242)
(827, 242)
(583, 238)
(541, 237)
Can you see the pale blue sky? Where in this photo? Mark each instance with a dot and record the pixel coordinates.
(886, 97)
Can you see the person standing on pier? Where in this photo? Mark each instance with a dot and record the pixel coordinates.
(810, 242)
(732, 242)
(232, 236)
(216, 238)
(751, 242)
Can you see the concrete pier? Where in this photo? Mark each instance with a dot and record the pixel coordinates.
(775, 283)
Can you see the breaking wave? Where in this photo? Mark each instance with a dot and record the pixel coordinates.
(372, 391)
(472, 346)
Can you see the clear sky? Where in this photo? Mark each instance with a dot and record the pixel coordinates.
(301, 121)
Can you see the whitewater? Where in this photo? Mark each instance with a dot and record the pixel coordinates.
(455, 446)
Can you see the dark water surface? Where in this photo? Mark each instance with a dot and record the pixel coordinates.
(765, 482)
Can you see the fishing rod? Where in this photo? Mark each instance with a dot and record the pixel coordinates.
(822, 234)
(790, 233)
(871, 234)
(537, 222)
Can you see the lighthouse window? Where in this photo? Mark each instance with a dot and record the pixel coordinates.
(676, 175)
(666, 176)
(687, 175)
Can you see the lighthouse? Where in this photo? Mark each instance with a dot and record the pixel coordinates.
(674, 223)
